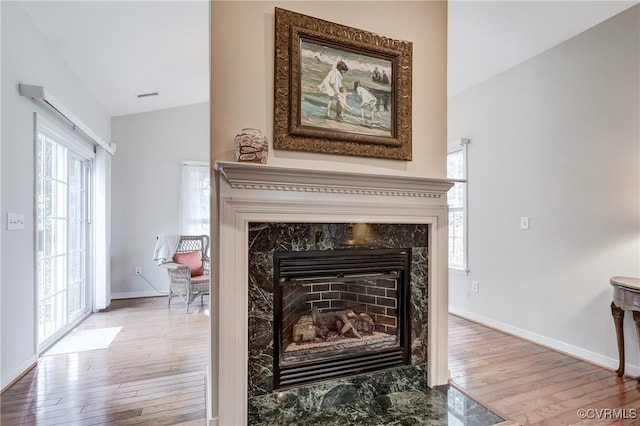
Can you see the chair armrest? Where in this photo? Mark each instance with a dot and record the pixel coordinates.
(177, 271)
(173, 265)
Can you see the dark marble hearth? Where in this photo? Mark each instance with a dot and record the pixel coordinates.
(347, 405)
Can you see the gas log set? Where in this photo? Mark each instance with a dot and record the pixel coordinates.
(331, 326)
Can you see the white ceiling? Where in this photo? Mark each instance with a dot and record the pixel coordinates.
(120, 49)
(489, 37)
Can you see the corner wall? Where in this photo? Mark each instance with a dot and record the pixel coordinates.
(557, 139)
(146, 179)
(242, 84)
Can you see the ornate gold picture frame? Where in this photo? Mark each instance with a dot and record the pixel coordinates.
(340, 90)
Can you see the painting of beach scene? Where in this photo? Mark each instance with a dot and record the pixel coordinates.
(340, 90)
(345, 90)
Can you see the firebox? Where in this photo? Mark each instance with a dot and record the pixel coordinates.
(339, 313)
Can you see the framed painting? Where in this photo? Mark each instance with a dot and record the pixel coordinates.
(340, 90)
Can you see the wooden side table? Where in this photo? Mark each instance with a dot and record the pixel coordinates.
(626, 297)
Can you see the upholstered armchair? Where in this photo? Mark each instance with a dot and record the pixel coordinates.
(189, 271)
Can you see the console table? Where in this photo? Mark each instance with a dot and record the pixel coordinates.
(626, 297)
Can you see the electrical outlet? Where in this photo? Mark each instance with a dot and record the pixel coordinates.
(475, 287)
(138, 270)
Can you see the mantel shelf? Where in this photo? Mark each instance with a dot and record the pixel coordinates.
(266, 177)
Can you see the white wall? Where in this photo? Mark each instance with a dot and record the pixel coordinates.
(557, 139)
(27, 58)
(146, 178)
(242, 69)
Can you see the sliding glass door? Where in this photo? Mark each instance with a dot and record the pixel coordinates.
(63, 182)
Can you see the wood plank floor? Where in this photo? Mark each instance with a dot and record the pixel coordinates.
(153, 373)
(532, 385)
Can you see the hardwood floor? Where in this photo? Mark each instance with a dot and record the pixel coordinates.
(152, 374)
(532, 385)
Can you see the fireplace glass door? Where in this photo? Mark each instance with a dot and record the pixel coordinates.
(339, 313)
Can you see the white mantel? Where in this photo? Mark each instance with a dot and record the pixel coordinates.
(246, 193)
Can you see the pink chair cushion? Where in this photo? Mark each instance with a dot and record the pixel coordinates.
(191, 259)
(202, 279)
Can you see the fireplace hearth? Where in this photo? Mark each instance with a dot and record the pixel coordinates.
(339, 313)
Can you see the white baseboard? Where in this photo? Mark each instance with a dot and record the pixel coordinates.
(574, 351)
(136, 294)
(19, 372)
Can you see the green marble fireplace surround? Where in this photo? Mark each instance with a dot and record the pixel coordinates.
(265, 239)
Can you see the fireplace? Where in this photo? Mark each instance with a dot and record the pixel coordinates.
(262, 210)
(339, 313)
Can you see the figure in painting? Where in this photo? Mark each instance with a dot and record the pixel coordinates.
(367, 100)
(385, 78)
(332, 83)
(376, 75)
(341, 103)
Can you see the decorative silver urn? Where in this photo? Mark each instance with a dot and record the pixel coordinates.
(251, 146)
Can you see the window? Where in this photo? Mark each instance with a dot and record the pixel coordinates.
(63, 255)
(194, 199)
(457, 200)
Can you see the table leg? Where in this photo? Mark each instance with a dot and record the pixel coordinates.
(636, 319)
(618, 319)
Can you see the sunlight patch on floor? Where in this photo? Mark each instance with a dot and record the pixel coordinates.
(84, 340)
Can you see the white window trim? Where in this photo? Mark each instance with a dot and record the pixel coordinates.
(453, 146)
(64, 136)
(186, 217)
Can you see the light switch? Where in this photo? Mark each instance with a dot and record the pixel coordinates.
(15, 221)
(524, 222)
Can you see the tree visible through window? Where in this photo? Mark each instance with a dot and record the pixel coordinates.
(456, 198)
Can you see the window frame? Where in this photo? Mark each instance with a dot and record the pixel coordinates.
(454, 146)
(190, 224)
